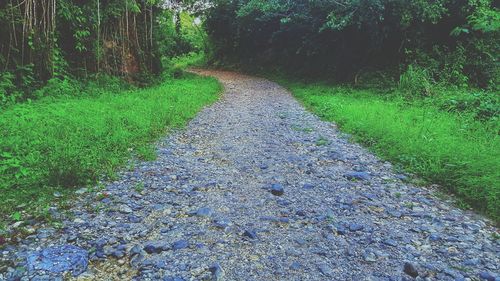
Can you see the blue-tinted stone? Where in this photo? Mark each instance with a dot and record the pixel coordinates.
(356, 227)
(181, 244)
(204, 212)
(295, 265)
(250, 234)
(308, 186)
(57, 259)
(277, 189)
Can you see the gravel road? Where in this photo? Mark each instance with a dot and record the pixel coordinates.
(258, 188)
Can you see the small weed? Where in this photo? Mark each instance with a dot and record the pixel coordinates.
(139, 187)
(397, 195)
(462, 204)
(99, 207)
(302, 129)
(322, 141)
(57, 224)
(409, 205)
(16, 216)
(461, 268)
(131, 166)
(101, 196)
(146, 153)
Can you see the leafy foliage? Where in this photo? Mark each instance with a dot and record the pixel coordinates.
(340, 39)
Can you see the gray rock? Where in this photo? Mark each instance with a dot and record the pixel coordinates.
(410, 269)
(154, 247)
(217, 272)
(277, 189)
(308, 186)
(390, 242)
(204, 212)
(356, 227)
(370, 256)
(325, 270)
(222, 223)
(125, 209)
(175, 278)
(486, 276)
(136, 250)
(181, 244)
(252, 234)
(295, 265)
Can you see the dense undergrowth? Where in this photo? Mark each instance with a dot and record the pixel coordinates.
(448, 139)
(65, 141)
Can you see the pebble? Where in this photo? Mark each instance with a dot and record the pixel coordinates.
(356, 227)
(325, 270)
(125, 209)
(81, 191)
(390, 242)
(295, 265)
(204, 212)
(217, 272)
(154, 248)
(486, 276)
(370, 257)
(222, 223)
(250, 234)
(277, 189)
(181, 244)
(308, 186)
(410, 269)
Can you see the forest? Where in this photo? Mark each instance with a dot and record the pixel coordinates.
(83, 83)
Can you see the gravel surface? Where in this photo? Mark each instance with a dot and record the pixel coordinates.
(257, 188)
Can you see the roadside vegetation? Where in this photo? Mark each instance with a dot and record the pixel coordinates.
(55, 143)
(456, 151)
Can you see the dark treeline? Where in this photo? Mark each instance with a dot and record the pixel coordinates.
(455, 41)
(43, 40)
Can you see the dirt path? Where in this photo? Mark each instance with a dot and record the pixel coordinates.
(210, 208)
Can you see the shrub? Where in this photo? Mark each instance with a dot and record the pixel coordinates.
(415, 82)
(57, 87)
(8, 92)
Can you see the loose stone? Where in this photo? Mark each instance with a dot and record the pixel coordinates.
(410, 269)
(250, 234)
(277, 189)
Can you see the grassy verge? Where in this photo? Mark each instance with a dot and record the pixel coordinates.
(458, 153)
(52, 144)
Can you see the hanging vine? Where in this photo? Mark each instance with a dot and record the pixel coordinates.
(43, 39)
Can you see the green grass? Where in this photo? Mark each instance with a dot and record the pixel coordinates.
(189, 60)
(458, 153)
(53, 144)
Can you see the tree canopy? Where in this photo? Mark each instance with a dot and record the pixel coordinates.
(344, 38)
